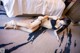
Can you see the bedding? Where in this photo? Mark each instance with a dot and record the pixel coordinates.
(44, 7)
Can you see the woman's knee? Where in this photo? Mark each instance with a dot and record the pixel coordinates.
(40, 18)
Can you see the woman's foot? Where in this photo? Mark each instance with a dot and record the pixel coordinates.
(10, 25)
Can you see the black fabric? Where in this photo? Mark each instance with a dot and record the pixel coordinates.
(1, 27)
(67, 2)
(53, 23)
(1, 3)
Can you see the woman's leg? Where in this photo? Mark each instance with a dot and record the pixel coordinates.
(29, 25)
(22, 26)
(47, 24)
(26, 26)
(14, 24)
(28, 30)
(38, 21)
(33, 24)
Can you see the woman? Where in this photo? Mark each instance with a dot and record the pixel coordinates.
(50, 22)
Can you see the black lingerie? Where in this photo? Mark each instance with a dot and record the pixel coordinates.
(53, 23)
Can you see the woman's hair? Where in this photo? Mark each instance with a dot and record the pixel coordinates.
(66, 20)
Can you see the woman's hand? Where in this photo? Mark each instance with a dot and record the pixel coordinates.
(46, 17)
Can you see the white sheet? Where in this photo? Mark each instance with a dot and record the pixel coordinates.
(45, 7)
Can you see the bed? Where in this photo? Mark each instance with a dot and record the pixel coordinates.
(43, 7)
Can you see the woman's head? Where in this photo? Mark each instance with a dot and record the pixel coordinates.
(65, 20)
(62, 22)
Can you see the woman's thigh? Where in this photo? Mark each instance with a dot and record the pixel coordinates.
(47, 23)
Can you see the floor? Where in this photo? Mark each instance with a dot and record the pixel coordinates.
(16, 41)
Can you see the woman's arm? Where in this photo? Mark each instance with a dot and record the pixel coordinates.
(51, 17)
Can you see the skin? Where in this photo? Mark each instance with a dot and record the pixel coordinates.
(34, 25)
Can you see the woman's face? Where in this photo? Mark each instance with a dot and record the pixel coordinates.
(62, 22)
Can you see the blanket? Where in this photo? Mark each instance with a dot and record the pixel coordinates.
(44, 7)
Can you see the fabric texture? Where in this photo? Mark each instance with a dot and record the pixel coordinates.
(44, 7)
